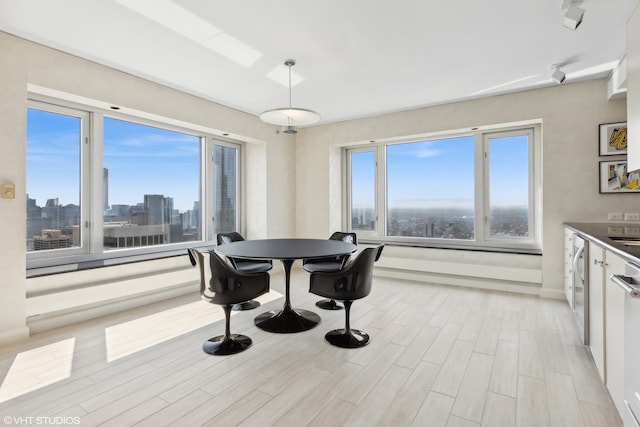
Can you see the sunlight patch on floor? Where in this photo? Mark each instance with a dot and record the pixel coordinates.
(37, 368)
(136, 335)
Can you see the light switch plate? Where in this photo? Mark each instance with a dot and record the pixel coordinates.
(8, 191)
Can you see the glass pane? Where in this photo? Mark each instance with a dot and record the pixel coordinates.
(151, 186)
(53, 181)
(430, 189)
(509, 186)
(225, 191)
(363, 188)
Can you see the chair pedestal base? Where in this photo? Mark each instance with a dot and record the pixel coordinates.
(218, 346)
(247, 305)
(329, 304)
(287, 321)
(340, 338)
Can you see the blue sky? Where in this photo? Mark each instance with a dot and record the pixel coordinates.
(53, 157)
(141, 160)
(145, 160)
(440, 173)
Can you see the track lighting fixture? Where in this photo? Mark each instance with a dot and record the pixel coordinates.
(573, 17)
(557, 75)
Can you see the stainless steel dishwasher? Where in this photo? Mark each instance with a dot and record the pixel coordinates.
(630, 282)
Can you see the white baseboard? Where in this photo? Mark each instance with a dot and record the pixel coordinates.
(466, 281)
(552, 293)
(14, 335)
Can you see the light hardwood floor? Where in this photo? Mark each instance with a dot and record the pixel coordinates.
(439, 356)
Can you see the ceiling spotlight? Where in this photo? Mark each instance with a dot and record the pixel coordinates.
(289, 117)
(557, 75)
(573, 17)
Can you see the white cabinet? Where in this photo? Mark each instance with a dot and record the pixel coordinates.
(614, 331)
(606, 314)
(597, 308)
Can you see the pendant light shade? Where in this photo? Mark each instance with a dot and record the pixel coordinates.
(289, 117)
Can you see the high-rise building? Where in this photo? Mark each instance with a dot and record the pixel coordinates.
(51, 239)
(53, 212)
(154, 206)
(225, 206)
(168, 210)
(194, 219)
(70, 215)
(430, 228)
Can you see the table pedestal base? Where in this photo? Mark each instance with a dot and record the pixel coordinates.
(287, 321)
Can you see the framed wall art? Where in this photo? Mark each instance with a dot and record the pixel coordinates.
(615, 178)
(613, 138)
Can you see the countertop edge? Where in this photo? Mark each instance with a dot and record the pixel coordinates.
(595, 232)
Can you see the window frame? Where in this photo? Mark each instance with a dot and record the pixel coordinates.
(84, 188)
(533, 172)
(348, 192)
(92, 253)
(482, 240)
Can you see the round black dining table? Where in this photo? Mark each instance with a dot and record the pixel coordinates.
(288, 319)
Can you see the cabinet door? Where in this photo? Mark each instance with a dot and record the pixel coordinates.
(614, 332)
(568, 268)
(596, 308)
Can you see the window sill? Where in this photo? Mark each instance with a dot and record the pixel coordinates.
(459, 247)
(68, 264)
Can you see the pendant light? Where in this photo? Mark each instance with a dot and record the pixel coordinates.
(289, 117)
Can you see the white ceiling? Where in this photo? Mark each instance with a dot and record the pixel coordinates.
(356, 58)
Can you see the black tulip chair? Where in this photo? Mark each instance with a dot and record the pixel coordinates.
(244, 266)
(227, 287)
(347, 285)
(330, 264)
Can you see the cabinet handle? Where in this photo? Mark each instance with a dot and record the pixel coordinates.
(626, 283)
(633, 415)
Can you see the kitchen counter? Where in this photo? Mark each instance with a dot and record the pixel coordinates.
(611, 237)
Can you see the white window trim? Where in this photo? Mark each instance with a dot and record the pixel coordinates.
(85, 186)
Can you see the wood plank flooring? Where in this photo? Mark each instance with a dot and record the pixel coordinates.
(439, 356)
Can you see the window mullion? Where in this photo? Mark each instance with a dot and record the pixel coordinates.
(94, 175)
(207, 185)
(482, 187)
(381, 190)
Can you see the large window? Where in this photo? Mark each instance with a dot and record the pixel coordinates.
(102, 185)
(475, 189)
(54, 152)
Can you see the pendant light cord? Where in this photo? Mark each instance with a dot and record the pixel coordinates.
(289, 85)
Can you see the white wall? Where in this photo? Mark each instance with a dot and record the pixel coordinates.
(571, 114)
(269, 189)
